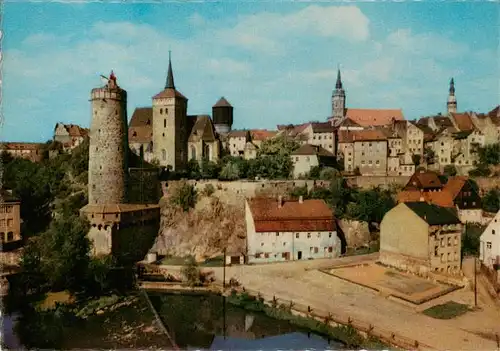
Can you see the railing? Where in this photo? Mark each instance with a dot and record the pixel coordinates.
(332, 319)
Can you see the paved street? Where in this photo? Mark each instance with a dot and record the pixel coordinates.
(301, 282)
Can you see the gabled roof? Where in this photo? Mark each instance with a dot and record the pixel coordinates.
(432, 214)
(455, 185)
(308, 149)
(369, 135)
(250, 146)
(142, 134)
(20, 146)
(424, 180)
(141, 117)
(439, 198)
(463, 121)
(222, 103)
(323, 127)
(262, 134)
(238, 133)
(374, 117)
(169, 93)
(292, 216)
(203, 129)
(293, 130)
(347, 122)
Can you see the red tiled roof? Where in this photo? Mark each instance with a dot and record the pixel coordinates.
(463, 120)
(308, 149)
(369, 135)
(454, 185)
(292, 216)
(262, 134)
(20, 146)
(237, 133)
(142, 116)
(424, 180)
(141, 134)
(169, 93)
(374, 117)
(322, 127)
(345, 136)
(438, 198)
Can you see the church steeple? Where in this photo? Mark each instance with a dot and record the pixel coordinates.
(452, 100)
(452, 87)
(338, 85)
(338, 100)
(170, 75)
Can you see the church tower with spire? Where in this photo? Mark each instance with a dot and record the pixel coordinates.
(452, 100)
(170, 124)
(338, 101)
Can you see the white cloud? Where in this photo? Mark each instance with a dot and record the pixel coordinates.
(270, 32)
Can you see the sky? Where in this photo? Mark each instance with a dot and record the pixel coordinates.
(275, 62)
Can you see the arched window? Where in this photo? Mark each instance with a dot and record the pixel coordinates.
(164, 154)
(193, 152)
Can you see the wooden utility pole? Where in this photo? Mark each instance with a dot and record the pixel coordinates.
(224, 272)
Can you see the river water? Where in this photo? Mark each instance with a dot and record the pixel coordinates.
(208, 322)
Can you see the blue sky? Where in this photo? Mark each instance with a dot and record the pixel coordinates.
(275, 62)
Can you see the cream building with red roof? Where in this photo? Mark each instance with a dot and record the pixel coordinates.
(284, 230)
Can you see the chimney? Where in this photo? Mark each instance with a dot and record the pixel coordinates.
(422, 199)
(301, 199)
(280, 201)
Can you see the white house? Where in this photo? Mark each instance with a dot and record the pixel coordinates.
(279, 230)
(309, 156)
(489, 250)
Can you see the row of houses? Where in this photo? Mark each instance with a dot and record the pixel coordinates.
(422, 234)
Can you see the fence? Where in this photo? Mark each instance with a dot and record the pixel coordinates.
(333, 319)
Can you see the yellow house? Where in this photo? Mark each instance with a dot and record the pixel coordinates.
(421, 237)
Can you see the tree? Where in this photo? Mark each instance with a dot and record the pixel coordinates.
(209, 169)
(191, 272)
(416, 159)
(328, 173)
(65, 253)
(450, 170)
(230, 171)
(193, 169)
(429, 155)
(489, 154)
(491, 201)
(280, 145)
(314, 172)
(370, 205)
(184, 196)
(481, 170)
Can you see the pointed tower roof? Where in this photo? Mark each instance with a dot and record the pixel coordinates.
(452, 87)
(170, 75)
(222, 103)
(169, 91)
(338, 85)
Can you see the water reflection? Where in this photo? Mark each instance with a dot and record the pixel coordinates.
(209, 322)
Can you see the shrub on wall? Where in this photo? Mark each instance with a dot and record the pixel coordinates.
(184, 196)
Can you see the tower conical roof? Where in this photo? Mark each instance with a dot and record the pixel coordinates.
(222, 103)
(170, 75)
(452, 86)
(338, 85)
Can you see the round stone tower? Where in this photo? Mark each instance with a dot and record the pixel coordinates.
(222, 114)
(108, 152)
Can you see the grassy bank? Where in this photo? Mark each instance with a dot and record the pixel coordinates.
(347, 335)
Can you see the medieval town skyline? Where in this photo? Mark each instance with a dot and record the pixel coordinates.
(268, 73)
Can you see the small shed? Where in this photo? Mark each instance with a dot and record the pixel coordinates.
(235, 257)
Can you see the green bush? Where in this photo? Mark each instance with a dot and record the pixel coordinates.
(185, 196)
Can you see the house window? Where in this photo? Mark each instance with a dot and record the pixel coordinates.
(161, 111)
(261, 244)
(330, 249)
(307, 158)
(319, 235)
(442, 242)
(266, 255)
(165, 123)
(488, 245)
(8, 209)
(10, 236)
(257, 255)
(449, 241)
(277, 234)
(442, 257)
(308, 235)
(10, 222)
(316, 250)
(296, 158)
(436, 248)
(330, 235)
(456, 241)
(296, 235)
(493, 231)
